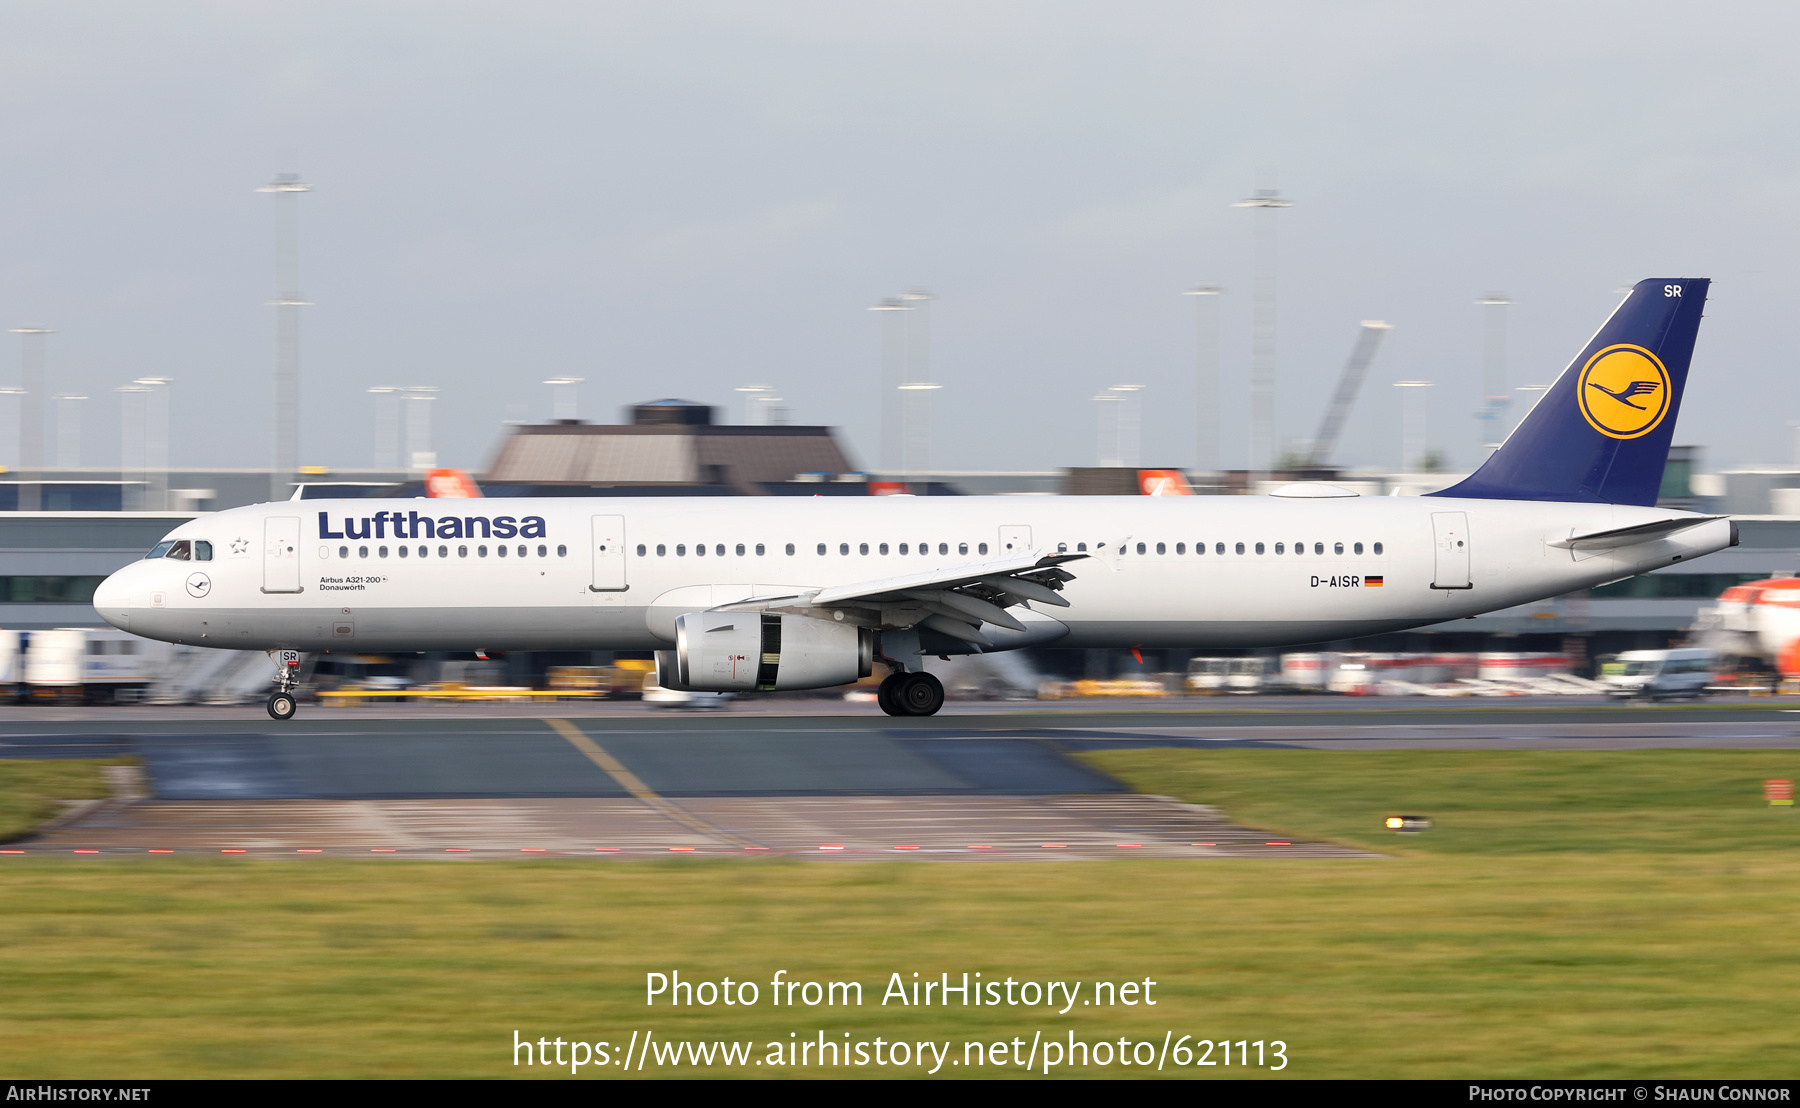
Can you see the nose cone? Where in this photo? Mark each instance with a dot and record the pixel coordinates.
(112, 599)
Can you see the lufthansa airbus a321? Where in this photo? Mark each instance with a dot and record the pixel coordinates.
(739, 593)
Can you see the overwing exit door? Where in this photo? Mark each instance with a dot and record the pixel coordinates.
(1450, 532)
(607, 548)
(1015, 539)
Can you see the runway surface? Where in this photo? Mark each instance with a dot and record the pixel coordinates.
(826, 780)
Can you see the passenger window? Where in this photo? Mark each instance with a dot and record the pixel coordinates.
(759, 550)
(1259, 548)
(203, 550)
(1280, 548)
(1337, 548)
(882, 548)
(562, 552)
(181, 551)
(481, 551)
(681, 550)
(1377, 548)
(863, 549)
(461, 551)
(382, 552)
(1062, 548)
(1080, 547)
(790, 548)
(1358, 548)
(424, 551)
(943, 548)
(962, 548)
(362, 552)
(982, 549)
(821, 550)
(740, 550)
(404, 551)
(158, 550)
(443, 551)
(640, 550)
(699, 550)
(344, 551)
(1240, 548)
(720, 550)
(1181, 548)
(661, 551)
(903, 548)
(843, 550)
(1219, 548)
(1318, 548)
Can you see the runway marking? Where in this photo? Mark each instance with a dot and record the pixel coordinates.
(634, 785)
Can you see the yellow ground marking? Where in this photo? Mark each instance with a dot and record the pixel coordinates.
(634, 785)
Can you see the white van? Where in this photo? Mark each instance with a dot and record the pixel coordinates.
(1655, 674)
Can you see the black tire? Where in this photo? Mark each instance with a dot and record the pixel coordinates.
(884, 693)
(920, 694)
(282, 706)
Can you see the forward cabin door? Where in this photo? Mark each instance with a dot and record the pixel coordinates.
(607, 547)
(1450, 531)
(281, 554)
(1015, 539)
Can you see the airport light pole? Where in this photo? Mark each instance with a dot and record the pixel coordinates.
(285, 463)
(31, 415)
(1412, 424)
(563, 397)
(1206, 377)
(918, 425)
(387, 426)
(1130, 423)
(1262, 331)
(1495, 400)
(419, 454)
(156, 441)
(893, 374)
(68, 430)
(755, 410)
(132, 465)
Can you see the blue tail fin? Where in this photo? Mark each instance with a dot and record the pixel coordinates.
(1601, 434)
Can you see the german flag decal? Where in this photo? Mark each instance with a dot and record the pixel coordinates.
(1372, 582)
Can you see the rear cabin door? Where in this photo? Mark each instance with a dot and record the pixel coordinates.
(1450, 531)
(281, 554)
(607, 547)
(1015, 539)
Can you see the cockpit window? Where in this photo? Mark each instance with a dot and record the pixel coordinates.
(158, 550)
(183, 550)
(202, 550)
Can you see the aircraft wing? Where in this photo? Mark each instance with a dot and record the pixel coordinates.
(955, 600)
(1628, 536)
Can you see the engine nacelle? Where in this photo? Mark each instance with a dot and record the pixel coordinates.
(738, 651)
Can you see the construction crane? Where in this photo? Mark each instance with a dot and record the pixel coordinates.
(1354, 370)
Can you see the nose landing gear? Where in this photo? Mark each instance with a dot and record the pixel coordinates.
(282, 704)
(910, 694)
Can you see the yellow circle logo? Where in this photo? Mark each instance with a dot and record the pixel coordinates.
(1623, 391)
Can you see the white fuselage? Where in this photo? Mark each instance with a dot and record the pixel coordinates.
(614, 573)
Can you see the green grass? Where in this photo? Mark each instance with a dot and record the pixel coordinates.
(1494, 802)
(1514, 939)
(30, 791)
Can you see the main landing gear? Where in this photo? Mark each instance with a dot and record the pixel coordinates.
(910, 694)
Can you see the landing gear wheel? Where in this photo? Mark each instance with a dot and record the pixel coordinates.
(919, 694)
(282, 706)
(884, 693)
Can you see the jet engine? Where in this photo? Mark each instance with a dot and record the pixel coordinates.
(737, 651)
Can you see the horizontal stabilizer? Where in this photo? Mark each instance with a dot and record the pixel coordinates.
(1630, 536)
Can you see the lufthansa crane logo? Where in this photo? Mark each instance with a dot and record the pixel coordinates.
(198, 585)
(1623, 391)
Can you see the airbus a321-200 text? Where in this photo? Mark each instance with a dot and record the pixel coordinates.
(736, 593)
